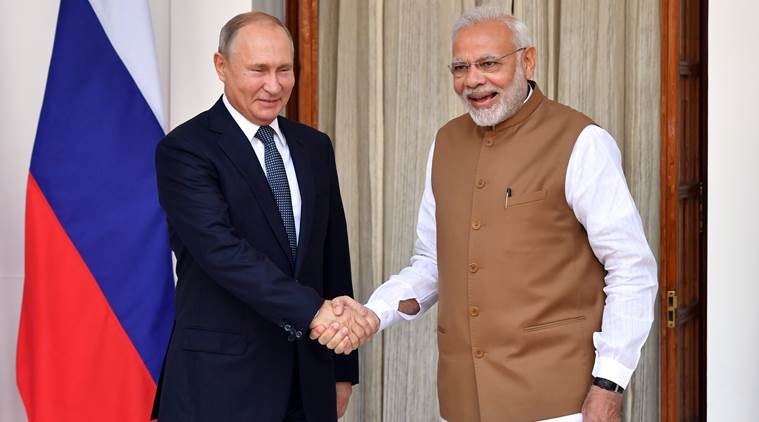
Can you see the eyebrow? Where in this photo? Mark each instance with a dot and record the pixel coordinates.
(260, 66)
(486, 56)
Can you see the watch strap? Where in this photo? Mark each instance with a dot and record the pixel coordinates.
(607, 385)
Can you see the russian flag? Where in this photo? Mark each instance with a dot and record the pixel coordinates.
(98, 306)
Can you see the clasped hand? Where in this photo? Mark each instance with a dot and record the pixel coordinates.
(342, 324)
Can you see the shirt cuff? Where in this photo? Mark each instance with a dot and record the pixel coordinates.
(389, 314)
(383, 311)
(612, 371)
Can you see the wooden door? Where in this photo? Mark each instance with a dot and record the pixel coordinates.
(683, 242)
(302, 19)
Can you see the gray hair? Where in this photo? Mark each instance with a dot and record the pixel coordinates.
(522, 37)
(229, 30)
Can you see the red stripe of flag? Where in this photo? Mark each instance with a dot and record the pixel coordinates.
(72, 348)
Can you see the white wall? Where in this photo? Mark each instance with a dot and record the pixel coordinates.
(186, 34)
(26, 57)
(733, 207)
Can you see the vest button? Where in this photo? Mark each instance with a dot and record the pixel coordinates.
(476, 224)
(489, 142)
(480, 183)
(474, 311)
(479, 354)
(473, 267)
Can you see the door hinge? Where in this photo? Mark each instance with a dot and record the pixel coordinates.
(671, 308)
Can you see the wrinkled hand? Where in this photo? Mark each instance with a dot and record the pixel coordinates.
(344, 390)
(355, 325)
(602, 406)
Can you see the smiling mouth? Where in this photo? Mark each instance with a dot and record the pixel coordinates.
(269, 101)
(481, 99)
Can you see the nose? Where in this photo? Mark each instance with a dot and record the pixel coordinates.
(473, 77)
(272, 85)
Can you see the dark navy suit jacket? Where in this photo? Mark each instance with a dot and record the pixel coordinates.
(243, 310)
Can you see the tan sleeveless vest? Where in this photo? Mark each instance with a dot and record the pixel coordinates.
(520, 291)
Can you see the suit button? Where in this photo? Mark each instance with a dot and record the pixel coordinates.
(473, 268)
(479, 354)
(489, 142)
(474, 311)
(476, 224)
(480, 183)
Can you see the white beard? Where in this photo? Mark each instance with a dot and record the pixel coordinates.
(511, 100)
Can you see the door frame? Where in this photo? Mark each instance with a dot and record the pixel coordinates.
(670, 158)
(302, 19)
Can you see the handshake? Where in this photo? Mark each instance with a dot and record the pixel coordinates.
(342, 324)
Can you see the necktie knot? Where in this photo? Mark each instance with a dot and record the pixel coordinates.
(266, 135)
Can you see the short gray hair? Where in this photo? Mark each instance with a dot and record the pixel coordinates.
(522, 37)
(229, 30)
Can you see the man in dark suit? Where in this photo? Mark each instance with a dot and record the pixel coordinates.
(257, 224)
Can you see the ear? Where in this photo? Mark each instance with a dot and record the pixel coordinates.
(220, 63)
(529, 60)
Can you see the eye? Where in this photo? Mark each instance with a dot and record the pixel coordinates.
(488, 65)
(459, 68)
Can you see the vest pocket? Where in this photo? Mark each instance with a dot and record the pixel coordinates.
(553, 324)
(524, 199)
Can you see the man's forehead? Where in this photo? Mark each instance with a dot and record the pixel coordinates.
(259, 39)
(481, 40)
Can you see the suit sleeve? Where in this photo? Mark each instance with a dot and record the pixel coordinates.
(337, 265)
(189, 193)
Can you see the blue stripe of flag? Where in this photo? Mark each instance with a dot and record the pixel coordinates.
(93, 160)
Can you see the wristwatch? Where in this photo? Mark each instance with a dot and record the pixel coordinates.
(607, 385)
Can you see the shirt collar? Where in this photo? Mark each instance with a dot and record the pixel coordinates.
(249, 128)
(529, 92)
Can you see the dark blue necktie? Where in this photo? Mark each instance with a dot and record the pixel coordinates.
(277, 176)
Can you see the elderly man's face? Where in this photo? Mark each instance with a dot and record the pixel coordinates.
(495, 92)
(258, 72)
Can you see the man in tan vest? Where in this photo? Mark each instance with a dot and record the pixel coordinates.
(530, 241)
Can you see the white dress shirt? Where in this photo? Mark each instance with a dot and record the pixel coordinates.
(596, 190)
(249, 129)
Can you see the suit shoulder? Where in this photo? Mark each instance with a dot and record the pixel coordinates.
(191, 128)
(304, 132)
(192, 131)
(300, 129)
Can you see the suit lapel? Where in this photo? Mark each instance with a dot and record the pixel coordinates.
(238, 149)
(305, 175)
